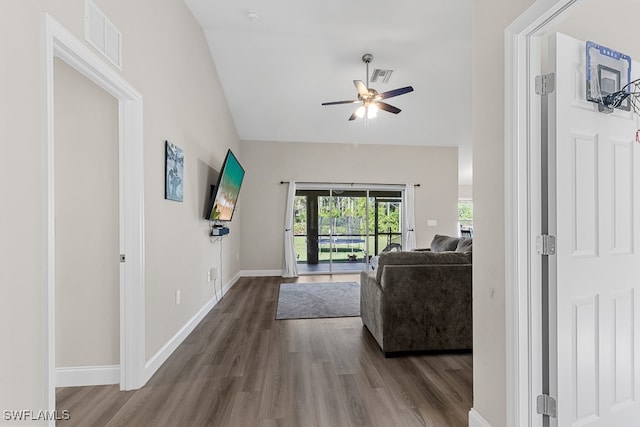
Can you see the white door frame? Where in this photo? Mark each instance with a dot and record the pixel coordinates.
(522, 210)
(60, 43)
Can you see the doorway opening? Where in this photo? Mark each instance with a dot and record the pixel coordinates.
(61, 44)
(87, 265)
(523, 117)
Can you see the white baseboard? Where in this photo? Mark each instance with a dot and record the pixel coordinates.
(161, 356)
(76, 376)
(477, 420)
(260, 273)
(228, 286)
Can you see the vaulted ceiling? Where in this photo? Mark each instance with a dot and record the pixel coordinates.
(279, 60)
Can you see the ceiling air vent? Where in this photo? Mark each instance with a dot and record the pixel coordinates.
(102, 34)
(381, 76)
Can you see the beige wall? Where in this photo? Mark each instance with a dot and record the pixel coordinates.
(165, 57)
(87, 230)
(465, 192)
(490, 18)
(584, 22)
(263, 198)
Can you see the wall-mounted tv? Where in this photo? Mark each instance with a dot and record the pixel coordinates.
(225, 194)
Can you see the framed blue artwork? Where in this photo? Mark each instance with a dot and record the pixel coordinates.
(174, 172)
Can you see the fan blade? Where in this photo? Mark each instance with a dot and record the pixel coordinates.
(396, 92)
(386, 107)
(362, 89)
(341, 102)
(353, 116)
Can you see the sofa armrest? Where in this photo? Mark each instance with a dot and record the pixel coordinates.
(368, 278)
(370, 302)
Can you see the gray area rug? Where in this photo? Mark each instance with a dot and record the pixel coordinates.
(315, 300)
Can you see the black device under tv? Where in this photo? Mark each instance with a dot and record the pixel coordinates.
(224, 195)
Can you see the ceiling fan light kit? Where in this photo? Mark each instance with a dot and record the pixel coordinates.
(369, 98)
(370, 111)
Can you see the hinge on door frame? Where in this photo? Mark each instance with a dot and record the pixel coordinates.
(547, 405)
(545, 84)
(546, 244)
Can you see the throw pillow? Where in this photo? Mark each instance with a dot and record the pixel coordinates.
(444, 243)
(465, 244)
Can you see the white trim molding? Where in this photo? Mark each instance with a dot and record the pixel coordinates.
(80, 376)
(259, 273)
(230, 284)
(60, 43)
(521, 189)
(161, 356)
(477, 420)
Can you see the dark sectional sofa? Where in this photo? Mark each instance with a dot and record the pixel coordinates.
(420, 300)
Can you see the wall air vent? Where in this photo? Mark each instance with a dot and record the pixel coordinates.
(102, 34)
(380, 76)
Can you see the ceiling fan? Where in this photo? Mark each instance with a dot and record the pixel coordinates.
(370, 99)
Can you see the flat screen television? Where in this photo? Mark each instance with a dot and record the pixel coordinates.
(225, 193)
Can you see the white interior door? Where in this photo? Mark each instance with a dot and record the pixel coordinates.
(595, 276)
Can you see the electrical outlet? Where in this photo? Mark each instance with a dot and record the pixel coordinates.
(213, 273)
(178, 297)
(209, 276)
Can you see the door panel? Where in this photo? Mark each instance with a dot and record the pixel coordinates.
(585, 181)
(585, 330)
(623, 345)
(595, 275)
(622, 217)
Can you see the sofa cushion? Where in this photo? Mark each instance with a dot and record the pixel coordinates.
(465, 244)
(444, 243)
(420, 258)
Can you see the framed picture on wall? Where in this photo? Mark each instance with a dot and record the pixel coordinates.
(174, 172)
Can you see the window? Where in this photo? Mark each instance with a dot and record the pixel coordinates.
(465, 217)
(339, 230)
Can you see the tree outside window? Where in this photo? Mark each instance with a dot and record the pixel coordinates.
(465, 215)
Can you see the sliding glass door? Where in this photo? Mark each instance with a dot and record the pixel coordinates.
(338, 230)
(386, 221)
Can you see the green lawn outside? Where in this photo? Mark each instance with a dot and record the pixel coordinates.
(341, 252)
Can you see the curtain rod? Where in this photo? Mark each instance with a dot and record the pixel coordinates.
(344, 183)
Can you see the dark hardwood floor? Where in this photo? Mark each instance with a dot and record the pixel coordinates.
(240, 367)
